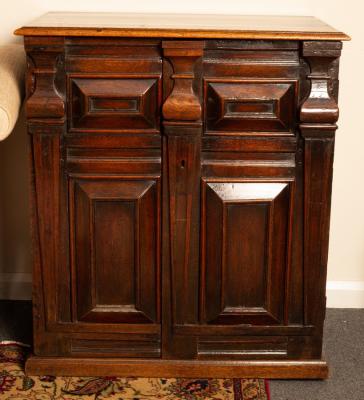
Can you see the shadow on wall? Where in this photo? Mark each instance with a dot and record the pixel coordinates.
(15, 249)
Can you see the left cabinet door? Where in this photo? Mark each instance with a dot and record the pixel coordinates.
(113, 241)
(93, 114)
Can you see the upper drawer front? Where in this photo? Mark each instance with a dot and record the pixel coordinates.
(114, 86)
(251, 88)
(238, 106)
(119, 104)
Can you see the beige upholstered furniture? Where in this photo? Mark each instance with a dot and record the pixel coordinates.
(12, 67)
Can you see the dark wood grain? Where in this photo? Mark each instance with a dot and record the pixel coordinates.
(182, 112)
(98, 103)
(318, 116)
(180, 201)
(245, 260)
(239, 107)
(115, 268)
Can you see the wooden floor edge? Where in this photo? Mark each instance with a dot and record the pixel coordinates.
(303, 369)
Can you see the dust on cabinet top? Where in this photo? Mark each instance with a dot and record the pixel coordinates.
(188, 26)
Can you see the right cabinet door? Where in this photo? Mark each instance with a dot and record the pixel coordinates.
(245, 251)
(251, 298)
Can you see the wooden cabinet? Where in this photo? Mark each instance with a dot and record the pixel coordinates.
(181, 180)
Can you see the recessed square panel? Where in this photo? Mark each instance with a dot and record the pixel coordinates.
(242, 106)
(113, 104)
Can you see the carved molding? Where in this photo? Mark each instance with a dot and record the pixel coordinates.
(182, 104)
(319, 112)
(45, 79)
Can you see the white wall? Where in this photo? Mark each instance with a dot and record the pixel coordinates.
(346, 257)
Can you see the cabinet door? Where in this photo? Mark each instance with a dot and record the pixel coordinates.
(114, 239)
(114, 252)
(245, 246)
(251, 185)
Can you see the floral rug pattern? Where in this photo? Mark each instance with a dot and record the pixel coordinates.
(15, 385)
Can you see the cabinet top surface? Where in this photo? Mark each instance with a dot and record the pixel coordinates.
(203, 26)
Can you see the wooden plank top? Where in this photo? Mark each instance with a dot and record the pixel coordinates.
(197, 26)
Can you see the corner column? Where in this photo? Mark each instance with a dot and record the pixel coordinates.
(318, 116)
(46, 114)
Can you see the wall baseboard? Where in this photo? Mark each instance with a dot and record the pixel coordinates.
(345, 294)
(340, 294)
(15, 286)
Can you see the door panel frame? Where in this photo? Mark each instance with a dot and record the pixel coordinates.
(142, 325)
(269, 317)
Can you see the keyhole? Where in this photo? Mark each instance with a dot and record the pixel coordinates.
(183, 162)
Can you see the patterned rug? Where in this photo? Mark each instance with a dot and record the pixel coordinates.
(15, 385)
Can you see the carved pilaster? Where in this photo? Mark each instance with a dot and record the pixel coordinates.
(182, 104)
(320, 106)
(182, 146)
(45, 108)
(318, 116)
(45, 79)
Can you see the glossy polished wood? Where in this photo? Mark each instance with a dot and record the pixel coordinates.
(180, 204)
(183, 369)
(194, 26)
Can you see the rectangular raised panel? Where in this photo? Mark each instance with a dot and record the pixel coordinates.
(253, 108)
(137, 348)
(113, 56)
(105, 104)
(114, 254)
(245, 228)
(114, 225)
(243, 348)
(247, 106)
(113, 104)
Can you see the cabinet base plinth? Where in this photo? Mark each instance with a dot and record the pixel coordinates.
(64, 366)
